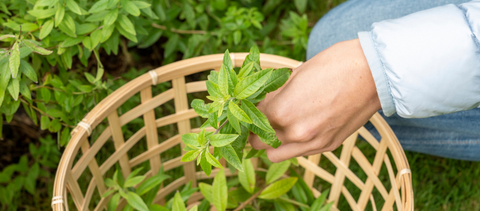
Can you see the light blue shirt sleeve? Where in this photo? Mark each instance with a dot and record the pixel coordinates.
(426, 63)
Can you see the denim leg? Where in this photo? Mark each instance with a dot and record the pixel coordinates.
(454, 135)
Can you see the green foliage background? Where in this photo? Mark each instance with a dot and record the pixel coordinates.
(94, 53)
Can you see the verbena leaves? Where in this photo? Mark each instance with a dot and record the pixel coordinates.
(233, 114)
(278, 188)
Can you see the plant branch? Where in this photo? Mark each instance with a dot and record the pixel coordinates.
(43, 113)
(180, 31)
(221, 126)
(242, 205)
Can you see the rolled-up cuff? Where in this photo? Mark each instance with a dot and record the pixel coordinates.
(378, 73)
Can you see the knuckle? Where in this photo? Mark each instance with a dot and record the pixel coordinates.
(299, 133)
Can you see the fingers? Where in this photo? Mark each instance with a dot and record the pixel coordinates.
(256, 143)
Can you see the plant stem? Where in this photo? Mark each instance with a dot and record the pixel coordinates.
(242, 205)
(43, 113)
(221, 126)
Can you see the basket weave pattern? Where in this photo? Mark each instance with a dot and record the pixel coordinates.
(399, 197)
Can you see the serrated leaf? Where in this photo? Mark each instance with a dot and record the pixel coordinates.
(231, 156)
(212, 160)
(126, 24)
(59, 14)
(245, 70)
(223, 80)
(190, 155)
(150, 183)
(178, 204)
(130, 8)
(111, 17)
(276, 171)
(265, 137)
(220, 140)
(36, 48)
(46, 29)
(277, 79)
(233, 121)
(251, 84)
(206, 166)
(238, 113)
(220, 191)
(98, 6)
(136, 201)
(258, 118)
(278, 188)
(14, 60)
(247, 177)
(73, 6)
(206, 191)
(214, 90)
(200, 108)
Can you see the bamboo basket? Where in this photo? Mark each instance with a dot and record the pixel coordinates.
(73, 165)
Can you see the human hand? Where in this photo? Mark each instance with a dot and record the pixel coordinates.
(325, 100)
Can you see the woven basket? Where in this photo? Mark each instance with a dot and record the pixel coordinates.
(73, 165)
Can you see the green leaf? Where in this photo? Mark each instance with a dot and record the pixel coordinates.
(98, 6)
(126, 24)
(327, 207)
(214, 90)
(238, 113)
(111, 17)
(36, 48)
(190, 155)
(5, 74)
(68, 26)
(318, 203)
(178, 204)
(278, 188)
(220, 140)
(247, 177)
(73, 6)
(156, 207)
(44, 122)
(136, 201)
(301, 5)
(151, 39)
(125, 33)
(42, 14)
(195, 208)
(258, 118)
(276, 171)
(201, 137)
(212, 160)
(190, 139)
(206, 191)
(130, 8)
(14, 88)
(141, 4)
(150, 183)
(237, 36)
(220, 191)
(46, 29)
(70, 42)
(59, 14)
(231, 157)
(87, 42)
(86, 28)
(171, 45)
(277, 79)
(113, 203)
(223, 80)
(246, 70)
(25, 91)
(14, 60)
(233, 121)
(207, 167)
(266, 137)
(108, 193)
(200, 108)
(28, 70)
(251, 84)
(130, 182)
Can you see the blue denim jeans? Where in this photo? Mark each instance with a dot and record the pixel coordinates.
(454, 135)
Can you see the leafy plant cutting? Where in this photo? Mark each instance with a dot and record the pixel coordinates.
(233, 113)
